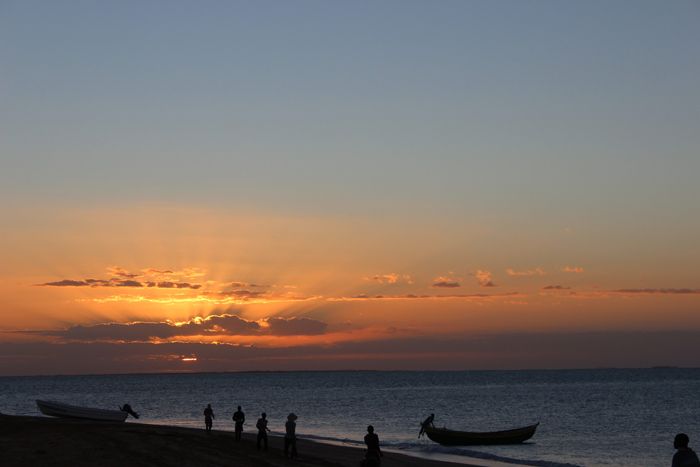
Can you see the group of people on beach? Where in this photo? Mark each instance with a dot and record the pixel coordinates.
(238, 417)
(373, 453)
(684, 457)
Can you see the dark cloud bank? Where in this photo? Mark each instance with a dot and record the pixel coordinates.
(120, 283)
(114, 282)
(579, 350)
(224, 324)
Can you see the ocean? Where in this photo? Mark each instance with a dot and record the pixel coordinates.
(606, 417)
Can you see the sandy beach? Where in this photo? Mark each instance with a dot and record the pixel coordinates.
(57, 442)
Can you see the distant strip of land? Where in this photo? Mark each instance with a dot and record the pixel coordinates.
(26, 441)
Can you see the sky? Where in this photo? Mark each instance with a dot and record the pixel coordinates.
(269, 185)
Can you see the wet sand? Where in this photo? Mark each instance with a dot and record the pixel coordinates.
(28, 441)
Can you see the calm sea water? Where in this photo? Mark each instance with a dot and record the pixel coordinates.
(588, 417)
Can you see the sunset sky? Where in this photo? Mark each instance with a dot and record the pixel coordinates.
(223, 186)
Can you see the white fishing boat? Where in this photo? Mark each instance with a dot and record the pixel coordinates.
(58, 409)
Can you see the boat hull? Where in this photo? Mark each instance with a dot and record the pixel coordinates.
(58, 409)
(469, 438)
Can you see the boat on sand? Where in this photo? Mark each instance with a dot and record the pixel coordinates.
(466, 438)
(58, 409)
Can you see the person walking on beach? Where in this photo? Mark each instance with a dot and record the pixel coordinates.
(290, 436)
(208, 417)
(374, 454)
(238, 420)
(684, 456)
(262, 430)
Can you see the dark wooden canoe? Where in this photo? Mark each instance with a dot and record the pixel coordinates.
(465, 438)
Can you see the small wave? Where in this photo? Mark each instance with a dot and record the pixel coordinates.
(418, 449)
(353, 442)
(456, 451)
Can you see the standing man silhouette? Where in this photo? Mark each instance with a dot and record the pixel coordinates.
(684, 456)
(374, 454)
(262, 430)
(238, 420)
(208, 417)
(290, 436)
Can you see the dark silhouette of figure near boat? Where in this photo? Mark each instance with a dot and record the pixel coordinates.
(373, 455)
(238, 420)
(261, 425)
(208, 417)
(127, 408)
(290, 436)
(684, 456)
(427, 423)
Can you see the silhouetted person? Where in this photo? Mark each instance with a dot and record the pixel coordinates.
(262, 430)
(427, 423)
(374, 454)
(127, 408)
(238, 420)
(290, 436)
(684, 456)
(208, 417)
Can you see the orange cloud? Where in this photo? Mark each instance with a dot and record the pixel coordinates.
(240, 284)
(556, 287)
(391, 278)
(120, 272)
(446, 282)
(484, 278)
(573, 269)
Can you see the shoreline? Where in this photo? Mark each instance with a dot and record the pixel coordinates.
(26, 440)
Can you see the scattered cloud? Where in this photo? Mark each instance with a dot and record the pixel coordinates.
(556, 287)
(156, 272)
(446, 282)
(173, 285)
(185, 273)
(484, 278)
(390, 278)
(116, 271)
(530, 272)
(66, 283)
(240, 284)
(573, 269)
